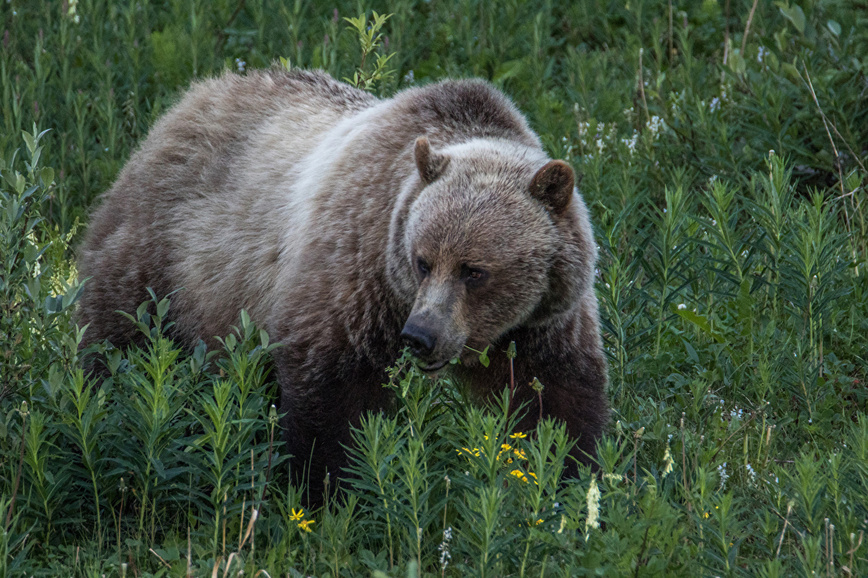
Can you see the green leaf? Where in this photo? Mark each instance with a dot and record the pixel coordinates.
(483, 357)
(794, 14)
(47, 176)
(29, 141)
(700, 321)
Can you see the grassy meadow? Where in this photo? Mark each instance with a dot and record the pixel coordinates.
(723, 148)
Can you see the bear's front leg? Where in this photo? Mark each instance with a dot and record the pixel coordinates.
(320, 406)
(569, 363)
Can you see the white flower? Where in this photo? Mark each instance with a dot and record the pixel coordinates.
(751, 473)
(445, 556)
(72, 13)
(655, 125)
(240, 65)
(721, 471)
(682, 306)
(593, 520)
(715, 104)
(630, 143)
(761, 54)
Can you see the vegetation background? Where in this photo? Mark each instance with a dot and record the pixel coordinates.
(723, 149)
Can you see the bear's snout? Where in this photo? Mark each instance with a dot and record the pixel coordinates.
(420, 340)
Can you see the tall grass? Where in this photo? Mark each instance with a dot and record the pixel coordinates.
(723, 157)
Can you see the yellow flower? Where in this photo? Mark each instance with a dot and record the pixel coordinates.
(518, 435)
(503, 448)
(519, 474)
(519, 454)
(305, 525)
(297, 514)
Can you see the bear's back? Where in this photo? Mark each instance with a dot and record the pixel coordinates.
(181, 188)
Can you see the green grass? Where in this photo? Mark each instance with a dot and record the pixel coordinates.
(732, 285)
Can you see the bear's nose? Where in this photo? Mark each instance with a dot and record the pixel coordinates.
(421, 342)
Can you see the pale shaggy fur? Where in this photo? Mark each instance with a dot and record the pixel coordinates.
(304, 201)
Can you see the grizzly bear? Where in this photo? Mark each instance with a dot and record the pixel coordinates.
(349, 226)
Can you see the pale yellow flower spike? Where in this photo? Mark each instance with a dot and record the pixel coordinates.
(593, 520)
(668, 462)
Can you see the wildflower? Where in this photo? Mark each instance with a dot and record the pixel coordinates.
(519, 474)
(518, 435)
(297, 514)
(721, 471)
(72, 11)
(469, 452)
(715, 104)
(445, 556)
(631, 142)
(668, 462)
(682, 306)
(593, 520)
(761, 54)
(305, 525)
(240, 65)
(655, 125)
(751, 473)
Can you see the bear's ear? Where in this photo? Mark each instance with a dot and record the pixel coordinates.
(553, 185)
(430, 164)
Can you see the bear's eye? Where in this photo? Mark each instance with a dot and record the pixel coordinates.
(473, 277)
(423, 267)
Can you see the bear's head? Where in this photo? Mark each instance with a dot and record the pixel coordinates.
(492, 236)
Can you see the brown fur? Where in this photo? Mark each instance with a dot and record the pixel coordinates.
(309, 204)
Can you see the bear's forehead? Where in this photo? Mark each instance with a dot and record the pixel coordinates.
(481, 202)
(481, 225)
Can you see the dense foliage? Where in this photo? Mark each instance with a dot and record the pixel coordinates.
(722, 145)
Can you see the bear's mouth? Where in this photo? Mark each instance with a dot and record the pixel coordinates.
(432, 367)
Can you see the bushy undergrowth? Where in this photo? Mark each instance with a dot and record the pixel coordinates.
(722, 148)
